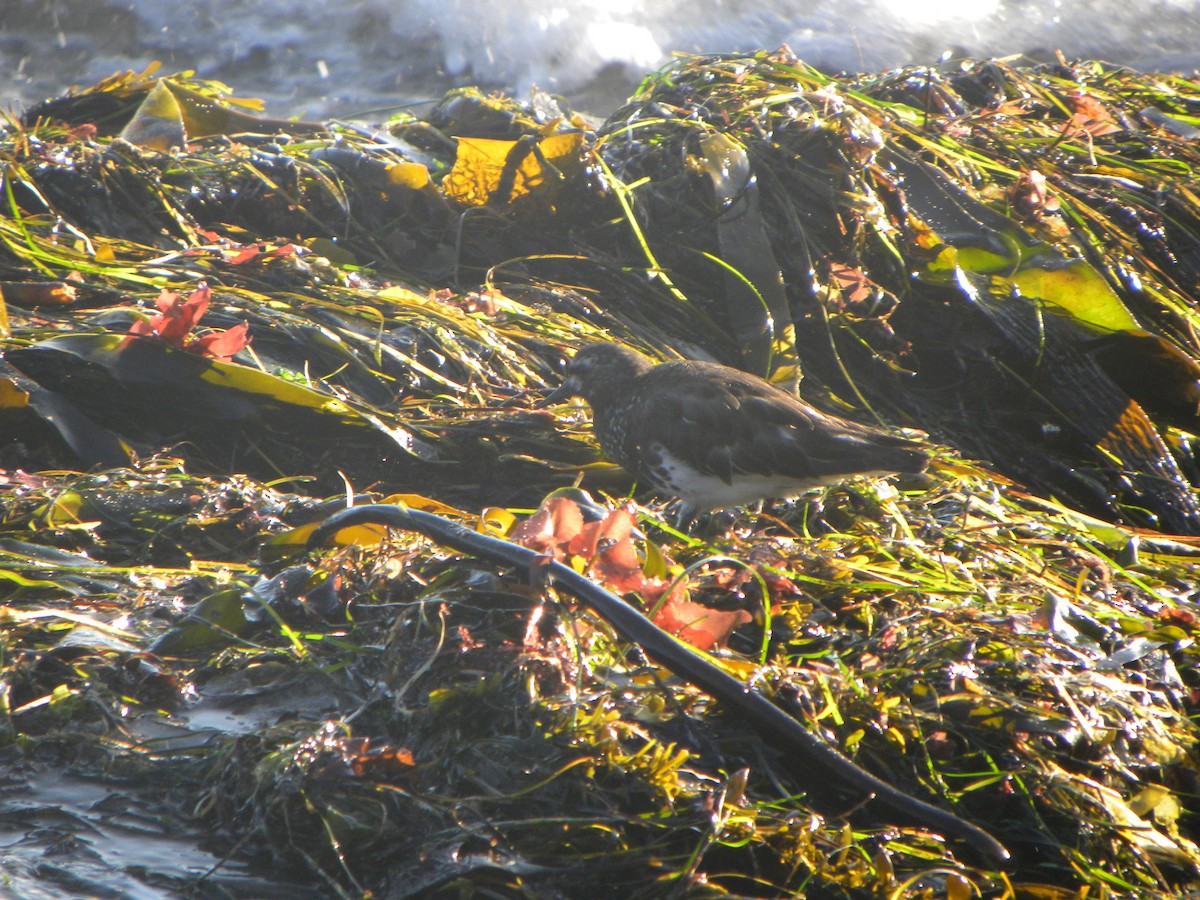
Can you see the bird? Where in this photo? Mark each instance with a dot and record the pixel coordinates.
(717, 437)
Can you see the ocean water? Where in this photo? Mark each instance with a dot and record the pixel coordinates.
(323, 60)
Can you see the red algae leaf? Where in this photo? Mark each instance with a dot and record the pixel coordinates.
(616, 563)
(175, 319)
(555, 525)
(558, 528)
(703, 628)
(1089, 115)
(222, 344)
(245, 254)
(596, 537)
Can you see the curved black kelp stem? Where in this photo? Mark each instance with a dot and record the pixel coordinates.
(810, 758)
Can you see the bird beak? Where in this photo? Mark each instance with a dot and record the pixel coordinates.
(562, 393)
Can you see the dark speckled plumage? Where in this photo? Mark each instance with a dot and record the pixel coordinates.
(716, 436)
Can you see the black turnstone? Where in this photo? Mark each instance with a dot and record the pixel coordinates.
(718, 437)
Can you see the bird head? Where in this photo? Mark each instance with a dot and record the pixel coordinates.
(598, 368)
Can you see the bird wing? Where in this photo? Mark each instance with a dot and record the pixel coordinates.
(749, 426)
(716, 409)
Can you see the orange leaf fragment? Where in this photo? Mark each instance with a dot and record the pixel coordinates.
(700, 626)
(245, 254)
(1089, 115)
(222, 344)
(609, 544)
(549, 530)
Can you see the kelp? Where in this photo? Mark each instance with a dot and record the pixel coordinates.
(1002, 256)
(963, 319)
(949, 638)
(931, 274)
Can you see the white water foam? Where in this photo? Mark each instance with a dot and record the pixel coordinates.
(310, 59)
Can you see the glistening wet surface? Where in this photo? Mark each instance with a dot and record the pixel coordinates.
(63, 836)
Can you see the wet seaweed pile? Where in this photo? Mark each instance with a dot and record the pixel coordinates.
(218, 327)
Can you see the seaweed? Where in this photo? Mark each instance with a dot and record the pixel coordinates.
(216, 339)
